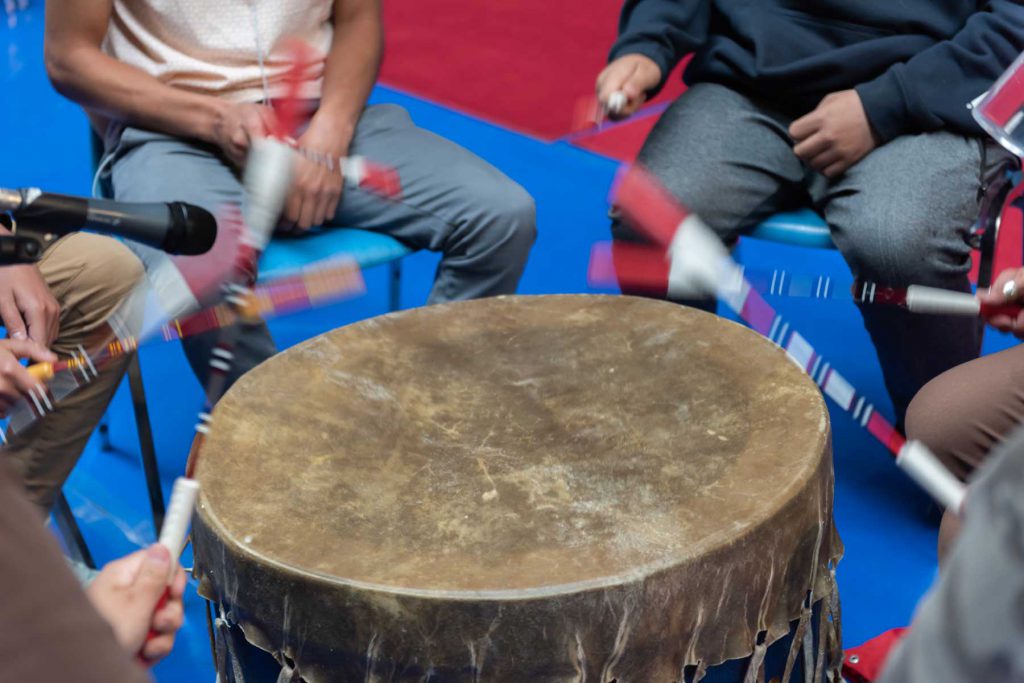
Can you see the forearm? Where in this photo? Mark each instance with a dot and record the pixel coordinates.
(931, 90)
(349, 74)
(111, 88)
(661, 30)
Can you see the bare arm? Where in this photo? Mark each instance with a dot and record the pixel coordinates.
(349, 74)
(82, 72)
(350, 70)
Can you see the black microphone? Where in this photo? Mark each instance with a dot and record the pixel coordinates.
(176, 228)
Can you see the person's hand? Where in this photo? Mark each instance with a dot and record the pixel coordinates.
(835, 136)
(126, 593)
(238, 125)
(15, 380)
(996, 295)
(27, 307)
(316, 187)
(632, 75)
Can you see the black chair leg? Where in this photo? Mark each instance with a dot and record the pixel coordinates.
(78, 551)
(106, 445)
(395, 285)
(146, 447)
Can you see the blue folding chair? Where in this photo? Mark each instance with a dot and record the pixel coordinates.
(803, 228)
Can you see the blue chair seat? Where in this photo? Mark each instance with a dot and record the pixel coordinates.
(287, 255)
(803, 228)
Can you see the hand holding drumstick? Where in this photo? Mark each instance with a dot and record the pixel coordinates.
(1008, 289)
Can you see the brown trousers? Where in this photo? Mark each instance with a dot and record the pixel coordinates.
(964, 413)
(90, 276)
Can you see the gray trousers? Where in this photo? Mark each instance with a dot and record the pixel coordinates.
(483, 223)
(899, 217)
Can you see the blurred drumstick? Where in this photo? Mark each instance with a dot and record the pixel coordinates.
(930, 474)
(699, 264)
(647, 267)
(174, 532)
(267, 180)
(307, 290)
(358, 171)
(174, 286)
(591, 112)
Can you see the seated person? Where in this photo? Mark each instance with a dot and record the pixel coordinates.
(54, 306)
(49, 629)
(180, 93)
(858, 109)
(967, 412)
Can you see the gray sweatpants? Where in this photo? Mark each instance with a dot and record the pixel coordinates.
(899, 217)
(483, 223)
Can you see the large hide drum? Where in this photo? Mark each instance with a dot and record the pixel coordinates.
(559, 488)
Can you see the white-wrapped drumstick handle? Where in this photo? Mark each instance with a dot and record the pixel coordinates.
(268, 177)
(924, 468)
(922, 299)
(700, 265)
(617, 101)
(179, 516)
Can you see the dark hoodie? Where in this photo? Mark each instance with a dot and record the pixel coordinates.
(916, 64)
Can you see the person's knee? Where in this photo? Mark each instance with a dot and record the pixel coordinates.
(113, 266)
(925, 422)
(940, 417)
(508, 221)
(896, 245)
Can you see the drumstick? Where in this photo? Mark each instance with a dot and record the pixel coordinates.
(647, 267)
(267, 180)
(173, 534)
(309, 289)
(590, 112)
(701, 263)
(930, 474)
(173, 287)
(358, 171)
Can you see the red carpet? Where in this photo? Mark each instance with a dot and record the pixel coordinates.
(521, 64)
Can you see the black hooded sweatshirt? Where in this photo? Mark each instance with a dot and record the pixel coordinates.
(916, 64)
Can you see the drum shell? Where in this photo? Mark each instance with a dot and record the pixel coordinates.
(341, 632)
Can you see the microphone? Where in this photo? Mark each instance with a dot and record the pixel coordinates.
(176, 228)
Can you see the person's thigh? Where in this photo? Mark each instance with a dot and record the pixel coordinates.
(964, 413)
(152, 167)
(443, 185)
(90, 276)
(726, 157)
(454, 202)
(901, 216)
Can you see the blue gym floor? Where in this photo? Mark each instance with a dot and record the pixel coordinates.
(888, 526)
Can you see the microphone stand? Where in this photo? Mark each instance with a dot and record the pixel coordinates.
(19, 248)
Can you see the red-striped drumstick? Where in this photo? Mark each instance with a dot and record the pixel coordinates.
(700, 264)
(646, 267)
(173, 534)
(267, 180)
(591, 112)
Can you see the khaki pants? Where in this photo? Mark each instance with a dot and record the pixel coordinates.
(89, 275)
